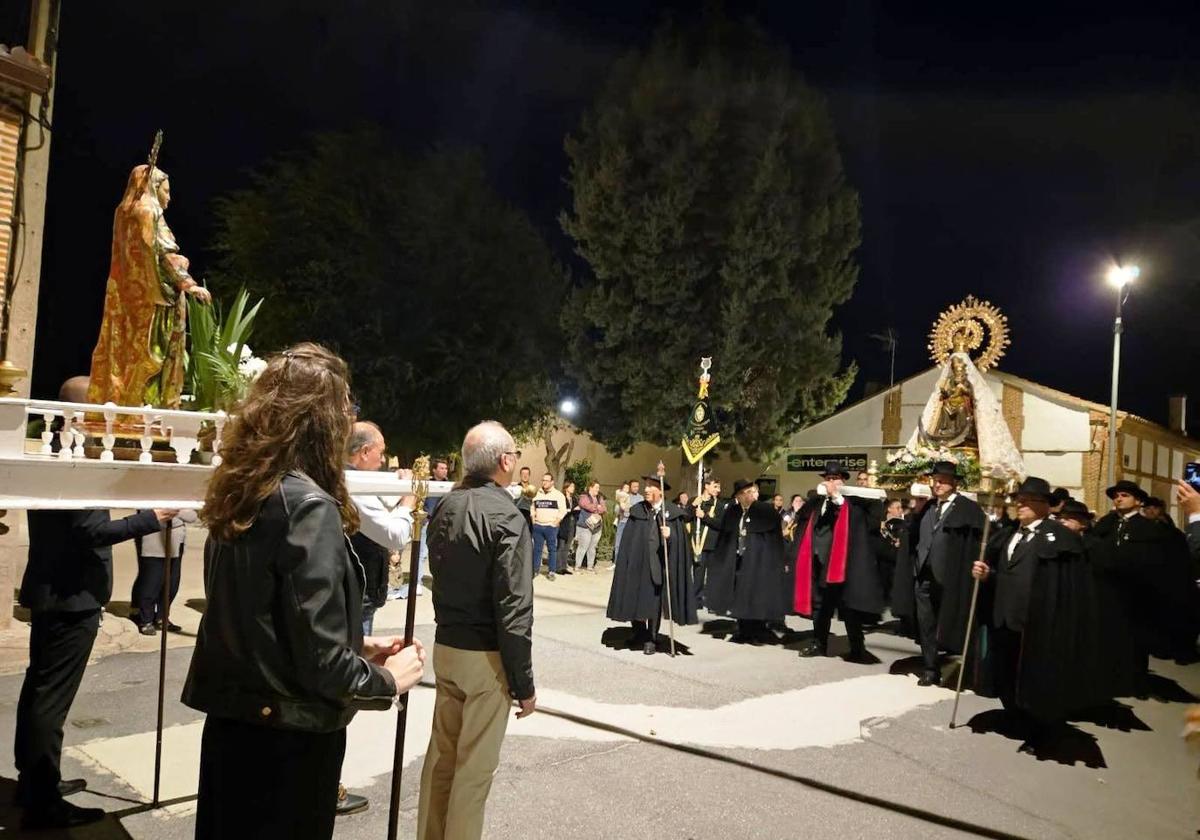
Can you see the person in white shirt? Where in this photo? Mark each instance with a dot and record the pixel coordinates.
(146, 598)
(546, 511)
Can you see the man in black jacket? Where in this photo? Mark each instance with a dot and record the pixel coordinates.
(947, 545)
(835, 566)
(479, 550)
(704, 536)
(67, 583)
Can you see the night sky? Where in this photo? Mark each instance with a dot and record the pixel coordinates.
(1010, 157)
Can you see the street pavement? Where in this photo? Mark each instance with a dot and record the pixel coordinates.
(723, 741)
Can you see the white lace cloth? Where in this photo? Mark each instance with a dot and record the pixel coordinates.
(998, 453)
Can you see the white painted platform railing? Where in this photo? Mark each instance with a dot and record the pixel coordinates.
(33, 476)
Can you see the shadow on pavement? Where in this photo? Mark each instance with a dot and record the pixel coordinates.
(621, 638)
(1113, 715)
(1064, 744)
(109, 828)
(1166, 690)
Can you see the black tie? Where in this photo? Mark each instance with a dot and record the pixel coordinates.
(1025, 532)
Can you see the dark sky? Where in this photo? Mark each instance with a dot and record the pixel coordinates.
(1010, 155)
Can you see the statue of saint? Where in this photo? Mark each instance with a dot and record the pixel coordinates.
(955, 422)
(139, 357)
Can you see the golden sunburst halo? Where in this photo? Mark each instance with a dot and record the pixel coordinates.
(973, 326)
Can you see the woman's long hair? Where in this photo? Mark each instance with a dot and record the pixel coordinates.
(296, 416)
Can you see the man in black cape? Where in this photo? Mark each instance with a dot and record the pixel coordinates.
(638, 593)
(1039, 630)
(746, 576)
(947, 542)
(704, 536)
(903, 598)
(1150, 562)
(835, 565)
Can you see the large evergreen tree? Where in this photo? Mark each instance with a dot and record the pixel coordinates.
(710, 203)
(443, 299)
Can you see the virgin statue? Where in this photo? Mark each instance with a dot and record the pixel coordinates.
(139, 356)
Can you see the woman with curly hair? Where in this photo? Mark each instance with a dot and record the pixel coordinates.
(281, 665)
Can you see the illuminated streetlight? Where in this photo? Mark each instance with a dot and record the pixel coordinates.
(1120, 277)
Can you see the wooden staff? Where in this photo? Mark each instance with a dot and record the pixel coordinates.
(987, 527)
(420, 483)
(165, 613)
(662, 487)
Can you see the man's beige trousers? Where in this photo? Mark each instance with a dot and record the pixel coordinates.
(470, 716)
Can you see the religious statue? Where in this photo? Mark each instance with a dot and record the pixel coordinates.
(954, 423)
(139, 356)
(963, 414)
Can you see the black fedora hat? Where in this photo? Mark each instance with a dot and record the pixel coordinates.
(835, 469)
(1034, 486)
(656, 481)
(1061, 495)
(741, 484)
(1075, 509)
(1127, 486)
(943, 468)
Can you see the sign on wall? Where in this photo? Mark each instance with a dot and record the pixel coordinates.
(815, 462)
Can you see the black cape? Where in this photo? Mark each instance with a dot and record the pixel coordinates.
(961, 533)
(861, 591)
(903, 596)
(638, 593)
(1058, 671)
(1152, 564)
(753, 587)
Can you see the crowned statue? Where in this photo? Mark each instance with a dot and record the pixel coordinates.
(963, 414)
(139, 356)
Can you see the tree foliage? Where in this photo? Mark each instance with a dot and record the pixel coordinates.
(710, 203)
(443, 299)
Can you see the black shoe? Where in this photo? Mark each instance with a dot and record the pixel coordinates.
(67, 787)
(350, 803)
(813, 649)
(172, 627)
(565, 571)
(61, 814)
(147, 630)
(930, 678)
(648, 648)
(860, 657)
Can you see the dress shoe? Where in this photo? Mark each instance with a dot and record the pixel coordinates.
(147, 630)
(350, 803)
(648, 648)
(67, 787)
(860, 657)
(172, 627)
(61, 814)
(813, 649)
(930, 678)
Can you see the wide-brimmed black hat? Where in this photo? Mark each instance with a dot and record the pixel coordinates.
(1034, 486)
(741, 484)
(1127, 486)
(1154, 501)
(1060, 495)
(648, 479)
(835, 468)
(1075, 509)
(943, 468)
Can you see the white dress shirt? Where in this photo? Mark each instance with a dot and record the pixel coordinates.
(1018, 536)
(391, 529)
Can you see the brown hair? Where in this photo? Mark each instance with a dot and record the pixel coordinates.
(294, 417)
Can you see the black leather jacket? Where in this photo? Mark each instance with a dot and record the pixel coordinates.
(279, 639)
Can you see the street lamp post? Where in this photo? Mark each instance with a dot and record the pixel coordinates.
(1120, 277)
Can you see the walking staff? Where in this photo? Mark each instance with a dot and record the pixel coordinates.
(662, 521)
(420, 484)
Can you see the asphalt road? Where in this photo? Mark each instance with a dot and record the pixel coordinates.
(728, 742)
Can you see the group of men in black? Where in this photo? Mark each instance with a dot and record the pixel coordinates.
(1068, 610)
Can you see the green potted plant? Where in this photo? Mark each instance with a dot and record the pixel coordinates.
(221, 365)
